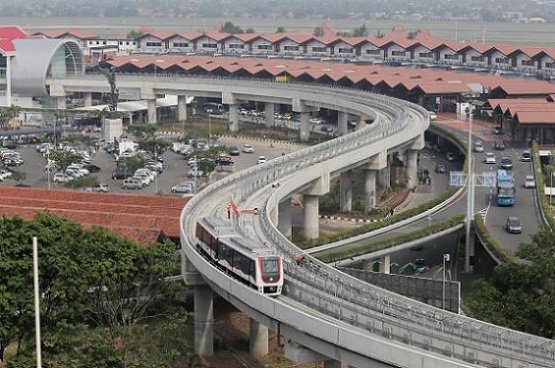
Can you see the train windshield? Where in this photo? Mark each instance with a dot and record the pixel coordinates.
(270, 266)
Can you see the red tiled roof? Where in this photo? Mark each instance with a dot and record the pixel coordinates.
(6, 45)
(12, 32)
(141, 218)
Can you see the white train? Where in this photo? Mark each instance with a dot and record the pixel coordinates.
(244, 258)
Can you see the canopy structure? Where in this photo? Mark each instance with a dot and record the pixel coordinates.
(135, 106)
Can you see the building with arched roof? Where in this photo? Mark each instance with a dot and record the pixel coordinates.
(26, 61)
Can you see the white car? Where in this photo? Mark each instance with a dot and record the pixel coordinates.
(478, 147)
(529, 181)
(185, 187)
(61, 178)
(261, 160)
(432, 115)
(489, 158)
(247, 148)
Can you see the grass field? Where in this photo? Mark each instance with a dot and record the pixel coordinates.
(492, 33)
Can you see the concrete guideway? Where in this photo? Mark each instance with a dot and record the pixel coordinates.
(402, 332)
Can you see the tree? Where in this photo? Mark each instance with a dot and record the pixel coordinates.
(250, 30)
(521, 295)
(142, 131)
(63, 158)
(361, 31)
(280, 29)
(7, 114)
(95, 286)
(230, 28)
(134, 34)
(318, 31)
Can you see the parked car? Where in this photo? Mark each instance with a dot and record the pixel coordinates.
(121, 174)
(92, 168)
(513, 225)
(489, 158)
(185, 187)
(61, 178)
(133, 183)
(326, 129)
(529, 181)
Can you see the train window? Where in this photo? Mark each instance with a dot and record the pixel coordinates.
(270, 266)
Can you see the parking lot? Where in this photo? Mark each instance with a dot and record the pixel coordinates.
(175, 167)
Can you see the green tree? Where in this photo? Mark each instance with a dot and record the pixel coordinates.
(229, 27)
(250, 30)
(63, 158)
(7, 114)
(133, 34)
(361, 31)
(280, 29)
(318, 31)
(521, 295)
(142, 131)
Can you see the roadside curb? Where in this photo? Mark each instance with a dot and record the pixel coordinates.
(349, 219)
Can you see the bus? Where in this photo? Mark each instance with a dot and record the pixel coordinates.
(505, 189)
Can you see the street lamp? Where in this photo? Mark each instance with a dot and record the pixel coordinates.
(156, 176)
(469, 199)
(446, 258)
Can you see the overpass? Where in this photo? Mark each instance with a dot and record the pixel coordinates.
(322, 310)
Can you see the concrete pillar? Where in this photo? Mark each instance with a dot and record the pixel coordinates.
(385, 264)
(269, 119)
(258, 338)
(411, 168)
(87, 99)
(151, 111)
(332, 364)
(342, 122)
(305, 126)
(204, 321)
(61, 102)
(384, 175)
(181, 108)
(361, 123)
(369, 190)
(233, 118)
(284, 218)
(311, 214)
(345, 191)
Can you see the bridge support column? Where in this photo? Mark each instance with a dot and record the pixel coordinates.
(411, 168)
(361, 123)
(233, 118)
(284, 218)
(385, 264)
(258, 338)
(311, 214)
(61, 102)
(204, 321)
(87, 99)
(369, 190)
(181, 108)
(151, 111)
(384, 176)
(305, 126)
(342, 122)
(269, 119)
(345, 191)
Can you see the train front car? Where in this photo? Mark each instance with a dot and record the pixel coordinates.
(270, 274)
(241, 257)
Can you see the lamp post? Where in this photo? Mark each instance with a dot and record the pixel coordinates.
(156, 176)
(469, 199)
(37, 300)
(446, 258)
